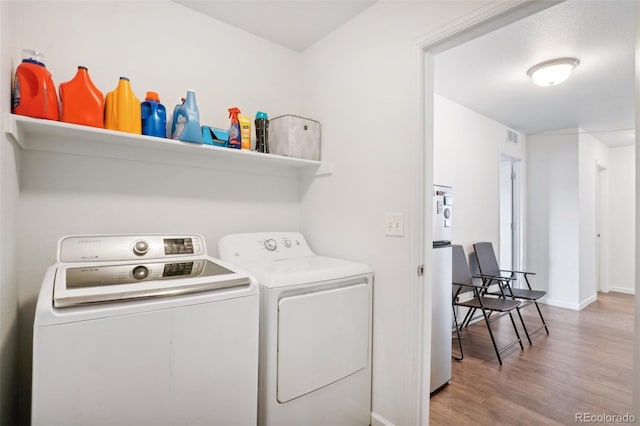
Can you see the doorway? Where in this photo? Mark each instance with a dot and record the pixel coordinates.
(601, 234)
(484, 21)
(510, 223)
(512, 252)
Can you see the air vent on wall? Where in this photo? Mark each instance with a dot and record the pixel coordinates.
(512, 137)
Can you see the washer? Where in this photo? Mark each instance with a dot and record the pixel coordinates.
(315, 331)
(144, 330)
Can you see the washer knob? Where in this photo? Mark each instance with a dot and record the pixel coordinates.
(140, 247)
(287, 243)
(270, 244)
(140, 272)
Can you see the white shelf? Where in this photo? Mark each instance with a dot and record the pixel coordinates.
(53, 136)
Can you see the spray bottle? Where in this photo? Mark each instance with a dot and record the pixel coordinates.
(235, 140)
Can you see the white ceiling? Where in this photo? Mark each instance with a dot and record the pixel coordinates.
(294, 24)
(488, 74)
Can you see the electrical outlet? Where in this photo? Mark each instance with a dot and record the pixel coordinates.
(394, 225)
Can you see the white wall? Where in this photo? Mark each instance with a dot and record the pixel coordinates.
(591, 154)
(167, 48)
(622, 212)
(562, 210)
(8, 207)
(361, 83)
(467, 148)
(552, 243)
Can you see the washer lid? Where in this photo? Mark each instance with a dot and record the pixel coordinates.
(302, 270)
(105, 282)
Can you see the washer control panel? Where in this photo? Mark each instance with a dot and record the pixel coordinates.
(103, 248)
(263, 246)
(99, 276)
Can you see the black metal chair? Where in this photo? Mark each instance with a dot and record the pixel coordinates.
(492, 274)
(462, 284)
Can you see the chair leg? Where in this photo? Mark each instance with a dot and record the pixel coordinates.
(544, 323)
(467, 317)
(516, 330)
(493, 340)
(455, 321)
(524, 326)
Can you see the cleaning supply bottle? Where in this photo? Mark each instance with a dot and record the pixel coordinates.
(122, 109)
(185, 125)
(245, 131)
(82, 102)
(262, 132)
(34, 92)
(154, 116)
(235, 139)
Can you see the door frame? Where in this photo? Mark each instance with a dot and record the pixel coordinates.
(483, 20)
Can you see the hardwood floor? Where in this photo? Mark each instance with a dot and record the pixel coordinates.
(583, 366)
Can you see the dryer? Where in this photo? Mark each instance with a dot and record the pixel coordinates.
(144, 330)
(315, 330)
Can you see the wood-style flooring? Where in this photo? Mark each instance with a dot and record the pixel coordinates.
(583, 366)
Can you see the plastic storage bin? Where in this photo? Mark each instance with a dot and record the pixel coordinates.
(294, 136)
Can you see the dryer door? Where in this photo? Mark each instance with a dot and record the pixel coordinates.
(322, 337)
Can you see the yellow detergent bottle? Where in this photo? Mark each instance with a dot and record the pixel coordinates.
(245, 131)
(122, 109)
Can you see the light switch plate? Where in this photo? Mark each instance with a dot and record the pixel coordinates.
(394, 225)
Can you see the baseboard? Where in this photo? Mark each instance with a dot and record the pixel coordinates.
(588, 301)
(378, 420)
(624, 290)
(560, 303)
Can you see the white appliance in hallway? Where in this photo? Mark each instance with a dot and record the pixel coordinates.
(441, 289)
(144, 330)
(315, 330)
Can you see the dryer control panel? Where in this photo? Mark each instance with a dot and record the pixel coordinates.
(258, 246)
(105, 248)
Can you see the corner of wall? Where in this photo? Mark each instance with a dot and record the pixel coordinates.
(8, 207)
(635, 398)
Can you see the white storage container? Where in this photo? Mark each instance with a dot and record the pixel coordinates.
(294, 136)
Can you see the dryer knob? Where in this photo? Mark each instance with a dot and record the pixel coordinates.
(140, 272)
(140, 247)
(270, 244)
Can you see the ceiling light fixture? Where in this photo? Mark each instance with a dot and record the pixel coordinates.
(552, 72)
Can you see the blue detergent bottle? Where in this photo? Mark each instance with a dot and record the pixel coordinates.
(154, 116)
(185, 125)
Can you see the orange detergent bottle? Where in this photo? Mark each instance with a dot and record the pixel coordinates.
(34, 92)
(82, 102)
(122, 109)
